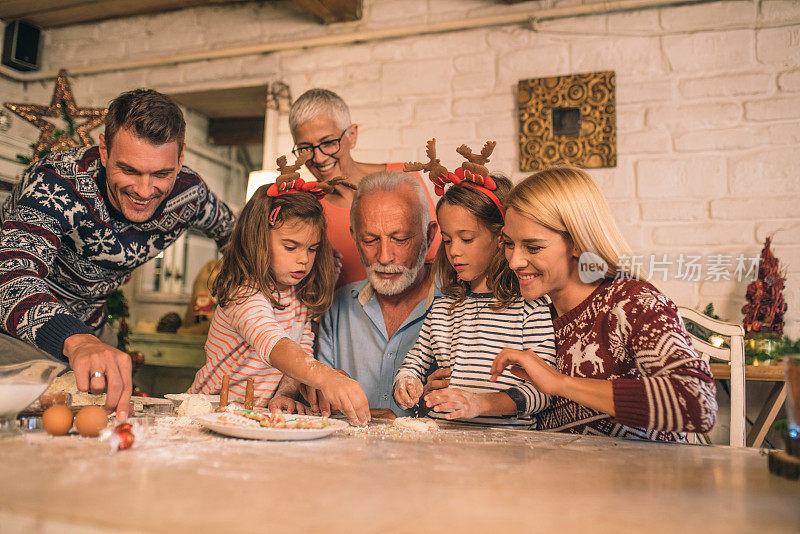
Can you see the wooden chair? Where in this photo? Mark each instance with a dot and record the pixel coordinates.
(734, 355)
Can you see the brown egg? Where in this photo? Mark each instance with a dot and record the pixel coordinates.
(57, 420)
(90, 421)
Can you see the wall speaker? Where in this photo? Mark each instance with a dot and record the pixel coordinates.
(21, 46)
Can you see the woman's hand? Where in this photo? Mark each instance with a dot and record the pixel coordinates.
(526, 365)
(456, 403)
(407, 391)
(439, 379)
(287, 405)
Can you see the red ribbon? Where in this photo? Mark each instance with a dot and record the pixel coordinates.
(295, 186)
(464, 177)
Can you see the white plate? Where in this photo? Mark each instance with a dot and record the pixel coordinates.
(217, 423)
(178, 398)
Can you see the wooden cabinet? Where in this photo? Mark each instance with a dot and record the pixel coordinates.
(170, 362)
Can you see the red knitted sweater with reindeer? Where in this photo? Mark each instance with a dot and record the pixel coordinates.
(627, 332)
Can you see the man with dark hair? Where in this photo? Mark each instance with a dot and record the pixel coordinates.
(80, 221)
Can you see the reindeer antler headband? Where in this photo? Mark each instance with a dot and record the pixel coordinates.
(472, 173)
(289, 181)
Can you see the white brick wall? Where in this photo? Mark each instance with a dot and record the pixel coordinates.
(707, 102)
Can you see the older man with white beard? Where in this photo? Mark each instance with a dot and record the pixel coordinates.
(373, 323)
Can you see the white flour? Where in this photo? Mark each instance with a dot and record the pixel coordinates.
(16, 397)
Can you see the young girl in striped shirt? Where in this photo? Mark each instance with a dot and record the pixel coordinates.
(277, 273)
(480, 314)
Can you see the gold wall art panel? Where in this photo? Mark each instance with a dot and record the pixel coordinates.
(568, 120)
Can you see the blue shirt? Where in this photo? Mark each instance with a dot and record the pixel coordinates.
(352, 337)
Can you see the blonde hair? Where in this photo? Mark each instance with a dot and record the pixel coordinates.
(567, 200)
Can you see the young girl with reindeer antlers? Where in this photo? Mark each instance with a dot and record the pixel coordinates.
(277, 273)
(481, 312)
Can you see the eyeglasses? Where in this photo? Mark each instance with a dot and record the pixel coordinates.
(329, 147)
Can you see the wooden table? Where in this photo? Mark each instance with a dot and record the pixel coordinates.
(464, 480)
(775, 399)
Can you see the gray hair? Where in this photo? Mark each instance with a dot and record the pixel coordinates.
(319, 102)
(390, 181)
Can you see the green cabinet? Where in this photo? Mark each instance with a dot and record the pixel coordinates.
(170, 361)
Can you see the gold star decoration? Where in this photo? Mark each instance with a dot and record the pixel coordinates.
(63, 102)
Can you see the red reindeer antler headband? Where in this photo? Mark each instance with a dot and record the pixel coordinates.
(472, 172)
(289, 181)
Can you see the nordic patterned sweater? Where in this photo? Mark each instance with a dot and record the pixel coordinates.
(467, 340)
(627, 332)
(64, 248)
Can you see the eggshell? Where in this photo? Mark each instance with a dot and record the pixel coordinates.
(90, 421)
(57, 420)
(57, 397)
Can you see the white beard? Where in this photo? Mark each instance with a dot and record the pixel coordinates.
(395, 287)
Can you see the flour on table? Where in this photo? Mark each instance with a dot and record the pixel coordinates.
(417, 425)
(194, 405)
(66, 382)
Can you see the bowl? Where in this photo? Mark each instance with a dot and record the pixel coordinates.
(25, 373)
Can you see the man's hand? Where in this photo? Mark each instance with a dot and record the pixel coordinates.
(100, 367)
(526, 365)
(312, 397)
(287, 405)
(456, 403)
(407, 391)
(439, 379)
(337, 264)
(285, 396)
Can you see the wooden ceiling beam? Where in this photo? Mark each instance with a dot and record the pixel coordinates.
(51, 13)
(331, 11)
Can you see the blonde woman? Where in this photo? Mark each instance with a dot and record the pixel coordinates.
(625, 364)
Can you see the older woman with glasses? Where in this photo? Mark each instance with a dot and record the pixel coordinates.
(321, 127)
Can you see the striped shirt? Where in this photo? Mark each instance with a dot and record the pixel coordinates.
(240, 340)
(467, 340)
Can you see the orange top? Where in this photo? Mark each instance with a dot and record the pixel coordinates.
(339, 234)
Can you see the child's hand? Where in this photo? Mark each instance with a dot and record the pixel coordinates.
(287, 405)
(407, 391)
(316, 398)
(526, 365)
(439, 379)
(456, 403)
(346, 395)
